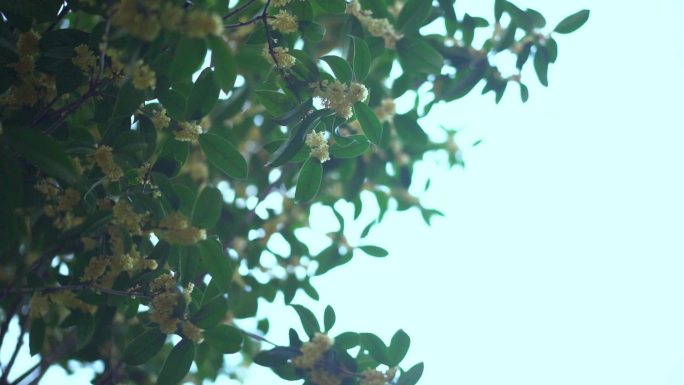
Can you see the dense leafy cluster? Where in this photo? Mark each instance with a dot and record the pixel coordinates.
(159, 159)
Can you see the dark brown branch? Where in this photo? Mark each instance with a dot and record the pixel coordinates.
(82, 287)
(21, 378)
(248, 22)
(17, 347)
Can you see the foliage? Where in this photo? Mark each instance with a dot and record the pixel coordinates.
(152, 150)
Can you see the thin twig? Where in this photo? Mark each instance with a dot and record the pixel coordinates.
(26, 374)
(244, 23)
(238, 9)
(81, 287)
(20, 343)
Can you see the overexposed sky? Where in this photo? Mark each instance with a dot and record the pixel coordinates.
(561, 257)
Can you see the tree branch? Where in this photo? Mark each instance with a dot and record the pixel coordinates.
(238, 9)
(82, 287)
(20, 342)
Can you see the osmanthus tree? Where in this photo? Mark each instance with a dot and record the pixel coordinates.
(159, 159)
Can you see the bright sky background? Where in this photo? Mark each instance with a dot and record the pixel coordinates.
(561, 256)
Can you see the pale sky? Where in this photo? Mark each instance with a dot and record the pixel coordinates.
(561, 256)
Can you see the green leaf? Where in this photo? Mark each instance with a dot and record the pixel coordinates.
(211, 313)
(524, 93)
(207, 208)
(418, 56)
(223, 155)
(330, 6)
(216, 262)
(36, 336)
(309, 181)
(144, 347)
(369, 122)
(541, 65)
(188, 58)
(376, 348)
(312, 31)
(572, 22)
(276, 356)
(294, 115)
(448, 7)
(177, 364)
(398, 348)
(225, 67)
(410, 131)
(295, 139)
(128, 101)
(358, 146)
(374, 251)
(44, 152)
(309, 321)
(276, 103)
(339, 67)
(203, 96)
(224, 338)
(411, 376)
(361, 60)
(328, 318)
(413, 15)
(347, 340)
(174, 102)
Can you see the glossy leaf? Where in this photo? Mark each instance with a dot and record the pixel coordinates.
(309, 180)
(207, 208)
(374, 251)
(36, 336)
(177, 364)
(361, 59)
(411, 376)
(143, 347)
(295, 139)
(308, 319)
(369, 122)
(128, 100)
(203, 96)
(573, 22)
(418, 56)
(224, 338)
(328, 318)
(339, 67)
(216, 262)
(44, 152)
(225, 67)
(541, 65)
(187, 58)
(331, 6)
(413, 15)
(223, 155)
(398, 348)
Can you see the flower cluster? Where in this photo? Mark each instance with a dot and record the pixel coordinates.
(372, 377)
(318, 145)
(40, 303)
(125, 216)
(33, 86)
(159, 119)
(104, 159)
(376, 27)
(188, 132)
(176, 230)
(312, 351)
(142, 76)
(166, 299)
(145, 20)
(60, 204)
(284, 22)
(386, 110)
(282, 57)
(340, 97)
(323, 377)
(85, 58)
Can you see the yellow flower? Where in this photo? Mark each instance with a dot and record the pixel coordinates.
(159, 119)
(85, 58)
(202, 24)
(318, 145)
(192, 332)
(39, 306)
(376, 27)
(284, 59)
(105, 161)
(323, 377)
(176, 230)
(312, 351)
(27, 44)
(125, 216)
(284, 22)
(339, 97)
(189, 132)
(142, 76)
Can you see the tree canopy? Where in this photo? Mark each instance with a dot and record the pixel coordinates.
(159, 160)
